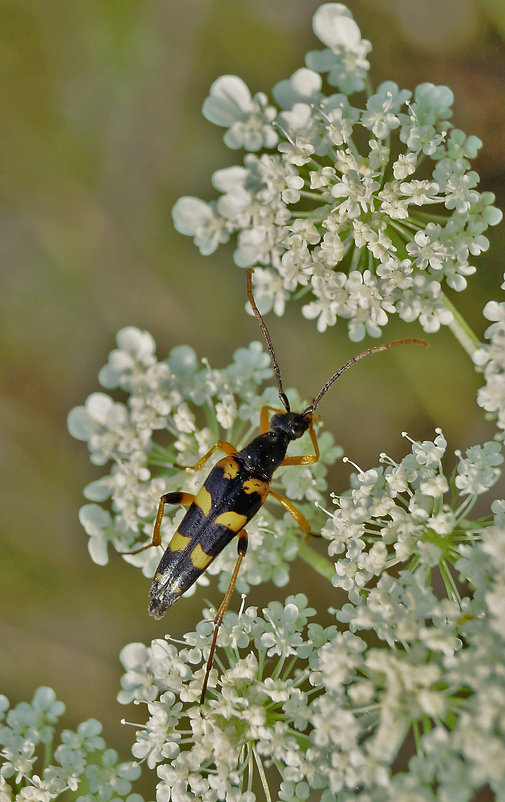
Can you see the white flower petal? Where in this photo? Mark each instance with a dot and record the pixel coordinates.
(229, 101)
(334, 25)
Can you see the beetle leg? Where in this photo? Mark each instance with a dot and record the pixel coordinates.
(226, 447)
(294, 511)
(241, 548)
(168, 498)
(305, 459)
(265, 417)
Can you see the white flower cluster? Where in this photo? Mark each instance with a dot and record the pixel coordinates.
(406, 513)
(302, 708)
(81, 762)
(490, 360)
(254, 720)
(330, 204)
(336, 207)
(197, 406)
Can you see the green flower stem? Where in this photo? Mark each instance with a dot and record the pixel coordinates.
(315, 560)
(461, 330)
(48, 754)
(261, 772)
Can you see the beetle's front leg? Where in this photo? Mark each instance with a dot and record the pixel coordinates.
(225, 447)
(265, 417)
(305, 459)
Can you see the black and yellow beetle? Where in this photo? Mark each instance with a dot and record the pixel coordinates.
(233, 492)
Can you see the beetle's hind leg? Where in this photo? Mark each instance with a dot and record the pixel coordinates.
(241, 548)
(167, 498)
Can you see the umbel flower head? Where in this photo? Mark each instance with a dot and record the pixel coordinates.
(175, 411)
(296, 708)
(41, 764)
(406, 513)
(490, 360)
(365, 208)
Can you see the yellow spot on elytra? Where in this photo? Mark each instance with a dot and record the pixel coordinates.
(178, 542)
(230, 467)
(203, 500)
(158, 578)
(256, 486)
(199, 558)
(232, 520)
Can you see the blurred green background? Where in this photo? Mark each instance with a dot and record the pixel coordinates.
(101, 133)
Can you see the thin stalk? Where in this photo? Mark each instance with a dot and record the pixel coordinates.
(306, 193)
(289, 668)
(465, 507)
(450, 585)
(417, 737)
(278, 668)
(261, 772)
(461, 330)
(48, 754)
(315, 560)
(250, 769)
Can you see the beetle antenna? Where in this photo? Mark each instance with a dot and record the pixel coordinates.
(374, 350)
(266, 335)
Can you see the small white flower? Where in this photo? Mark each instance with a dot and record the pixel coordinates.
(98, 524)
(478, 471)
(345, 59)
(304, 86)
(184, 419)
(381, 114)
(249, 120)
(135, 347)
(226, 411)
(490, 360)
(198, 219)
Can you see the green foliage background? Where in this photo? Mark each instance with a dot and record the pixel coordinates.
(101, 133)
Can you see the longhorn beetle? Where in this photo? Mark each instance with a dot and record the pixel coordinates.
(233, 492)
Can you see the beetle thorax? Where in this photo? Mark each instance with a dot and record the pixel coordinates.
(266, 452)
